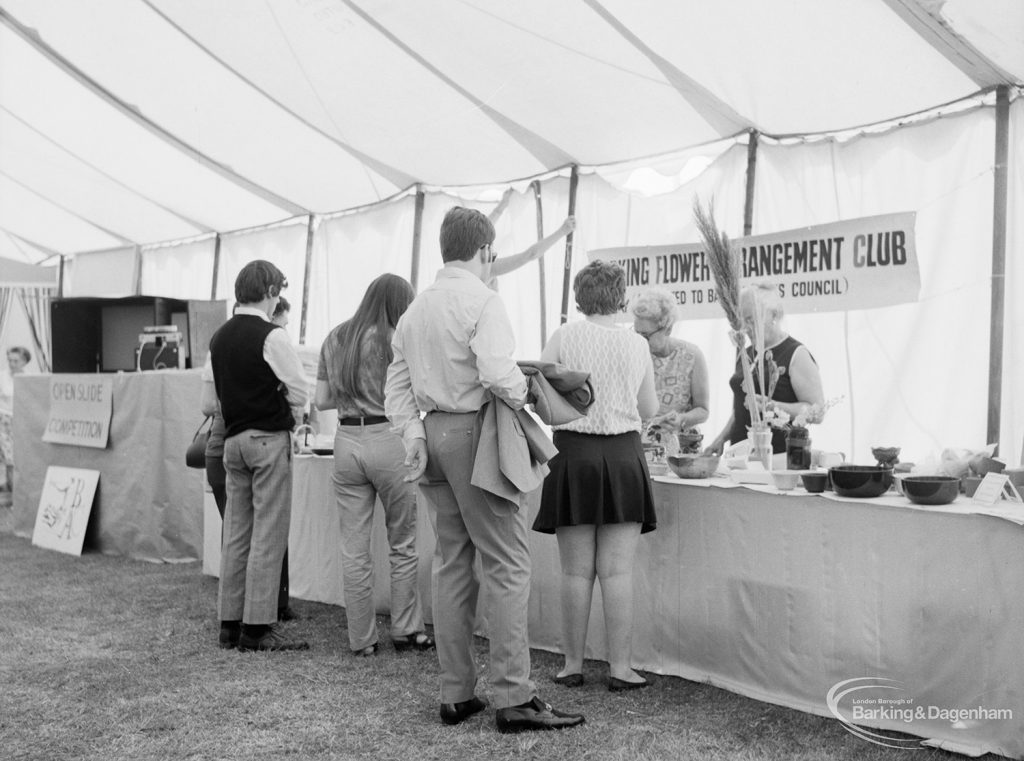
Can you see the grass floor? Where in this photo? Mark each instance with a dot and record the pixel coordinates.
(114, 659)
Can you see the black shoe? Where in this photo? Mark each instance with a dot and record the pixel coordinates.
(287, 614)
(272, 641)
(534, 715)
(569, 680)
(414, 641)
(456, 713)
(621, 685)
(229, 636)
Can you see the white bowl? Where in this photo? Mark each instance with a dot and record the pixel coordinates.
(786, 480)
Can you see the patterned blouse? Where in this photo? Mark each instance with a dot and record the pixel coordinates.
(616, 358)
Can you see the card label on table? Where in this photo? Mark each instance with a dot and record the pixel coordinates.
(994, 487)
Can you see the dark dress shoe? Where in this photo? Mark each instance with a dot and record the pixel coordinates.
(534, 715)
(569, 680)
(621, 685)
(229, 635)
(456, 713)
(272, 641)
(414, 641)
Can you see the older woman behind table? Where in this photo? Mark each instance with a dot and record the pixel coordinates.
(799, 384)
(368, 463)
(17, 358)
(680, 372)
(597, 497)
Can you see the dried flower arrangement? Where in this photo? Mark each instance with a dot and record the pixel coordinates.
(724, 263)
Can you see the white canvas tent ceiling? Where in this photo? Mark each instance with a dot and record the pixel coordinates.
(127, 122)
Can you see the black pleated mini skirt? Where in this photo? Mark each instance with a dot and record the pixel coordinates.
(596, 480)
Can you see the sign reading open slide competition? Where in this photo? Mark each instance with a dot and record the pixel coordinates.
(80, 409)
(852, 264)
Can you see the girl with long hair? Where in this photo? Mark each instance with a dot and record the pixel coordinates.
(368, 463)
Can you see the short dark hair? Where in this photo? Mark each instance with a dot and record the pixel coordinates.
(258, 280)
(463, 232)
(282, 307)
(600, 288)
(25, 354)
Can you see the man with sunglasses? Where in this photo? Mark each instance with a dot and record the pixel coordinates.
(453, 352)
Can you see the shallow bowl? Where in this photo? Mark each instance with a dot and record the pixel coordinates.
(860, 480)
(694, 465)
(815, 483)
(785, 480)
(930, 490)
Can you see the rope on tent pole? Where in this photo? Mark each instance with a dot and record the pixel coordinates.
(539, 206)
(216, 267)
(748, 202)
(566, 275)
(310, 228)
(417, 235)
(999, 208)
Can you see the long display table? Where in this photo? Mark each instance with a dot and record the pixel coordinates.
(782, 598)
(148, 504)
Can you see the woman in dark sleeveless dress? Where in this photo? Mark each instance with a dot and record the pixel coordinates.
(799, 384)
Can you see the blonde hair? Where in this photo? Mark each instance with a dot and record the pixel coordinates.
(656, 305)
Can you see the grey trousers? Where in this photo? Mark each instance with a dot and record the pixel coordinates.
(255, 532)
(368, 463)
(467, 526)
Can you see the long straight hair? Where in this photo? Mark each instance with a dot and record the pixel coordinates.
(385, 300)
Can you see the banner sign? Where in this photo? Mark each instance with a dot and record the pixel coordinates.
(80, 409)
(852, 264)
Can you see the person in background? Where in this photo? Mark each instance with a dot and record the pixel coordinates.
(504, 265)
(368, 463)
(799, 385)
(453, 352)
(280, 317)
(261, 388)
(680, 372)
(597, 498)
(17, 358)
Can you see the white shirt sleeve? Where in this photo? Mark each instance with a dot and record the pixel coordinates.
(399, 401)
(494, 345)
(280, 354)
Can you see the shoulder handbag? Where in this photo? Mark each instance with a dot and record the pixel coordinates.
(195, 455)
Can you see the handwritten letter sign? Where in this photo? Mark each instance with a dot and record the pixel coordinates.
(80, 407)
(64, 509)
(851, 264)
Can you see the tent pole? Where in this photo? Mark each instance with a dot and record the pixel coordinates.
(999, 208)
(574, 177)
(539, 206)
(216, 267)
(311, 225)
(137, 259)
(60, 278)
(417, 235)
(748, 202)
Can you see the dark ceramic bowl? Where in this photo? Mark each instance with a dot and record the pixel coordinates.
(930, 490)
(860, 480)
(815, 483)
(694, 465)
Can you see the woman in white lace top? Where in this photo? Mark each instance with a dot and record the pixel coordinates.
(597, 498)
